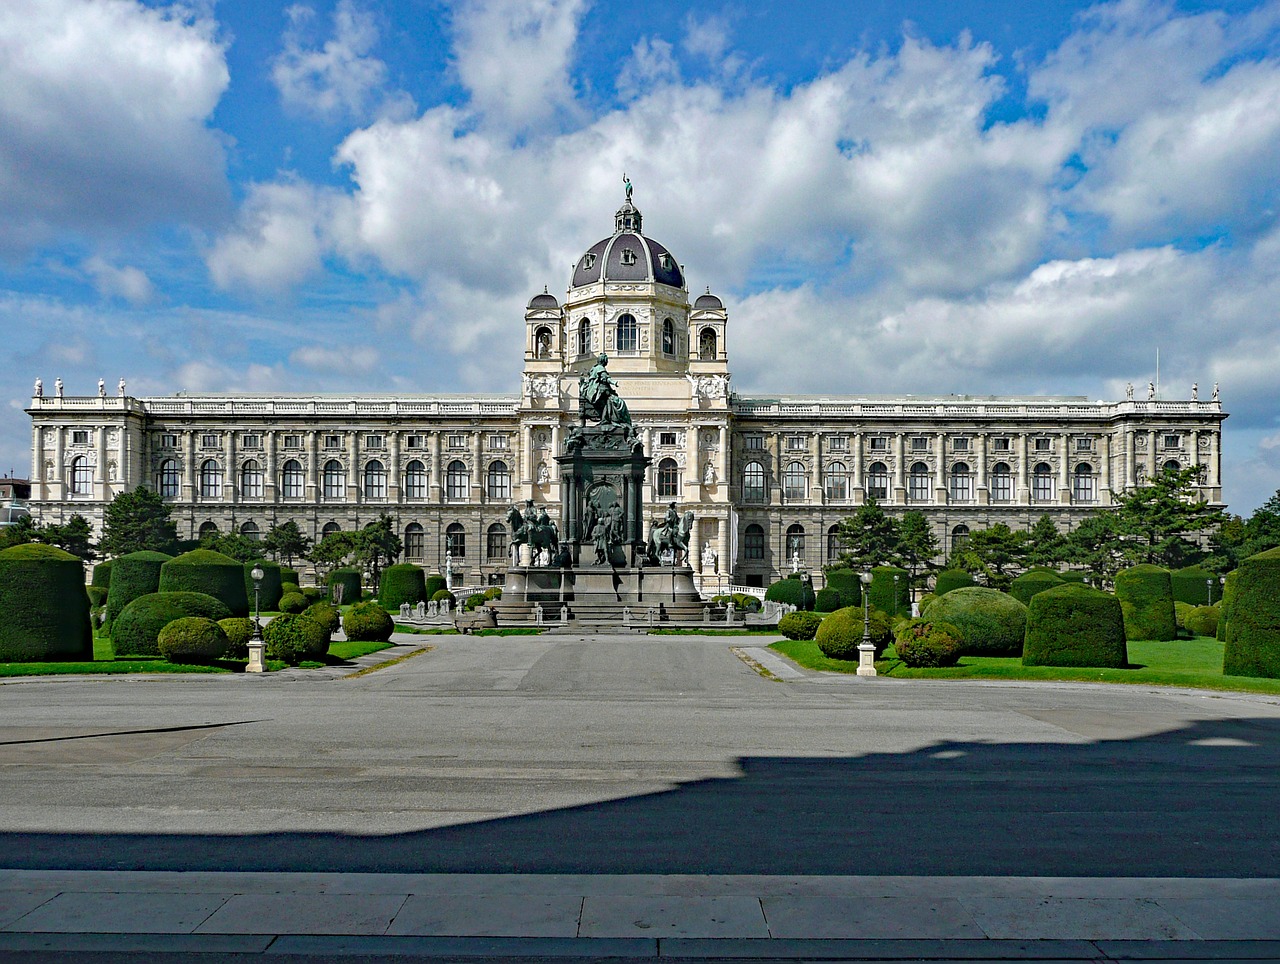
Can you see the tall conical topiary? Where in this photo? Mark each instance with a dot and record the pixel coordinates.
(44, 610)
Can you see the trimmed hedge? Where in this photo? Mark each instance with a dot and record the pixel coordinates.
(1077, 576)
(294, 603)
(402, 583)
(926, 600)
(927, 642)
(137, 631)
(841, 632)
(102, 574)
(134, 574)
(271, 588)
(1029, 583)
(349, 580)
(991, 622)
(1180, 611)
(1203, 621)
(44, 608)
(97, 596)
(1189, 586)
(1146, 597)
(799, 625)
(845, 581)
(1073, 625)
(794, 592)
(1253, 629)
(295, 639)
(289, 575)
(445, 594)
(192, 639)
(827, 600)
(239, 630)
(368, 622)
(435, 582)
(288, 587)
(1224, 608)
(948, 580)
(882, 590)
(209, 572)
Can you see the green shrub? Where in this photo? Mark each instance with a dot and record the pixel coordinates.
(1253, 627)
(434, 583)
(1073, 575)
(1034, 581)
(402, 583)
(1146, 597)
(192, 639)
(326, 615)
(1203, 621)
(97, 596)
(239, 630)
(493, 592)
(208, 572)
(841, 632)
(1193, 585)
(827, 600)
(367, 621)
(295, 639)
(745, 603)
(137, 631)
(991, 622)
(926, 642)
(1224, 608)
(1180, 610)
(133, 574)
(289, 575)
(948, 580)
(793, 592)
(799, 625)
(288, 587)
(316, 594)
(294, 603)
(888, 596)
(349, 580)
(926, 600)
(845, 581)
(444, 594)
(1075, 625)
(44, 608)
(472, 602)
(270, 589)
(102, 574)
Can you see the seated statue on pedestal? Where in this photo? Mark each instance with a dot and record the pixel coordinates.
(600, 401)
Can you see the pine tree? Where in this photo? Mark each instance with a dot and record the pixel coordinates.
(869, 537)
(1046, 546)
(285, 540)
(137, 520)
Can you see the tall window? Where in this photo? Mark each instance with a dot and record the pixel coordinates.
(250, 531)
(668, 479)
(499, 481)
(335, 480)
(81, 476)
(207, 529)
(1042, 483)
(455, 540)
(415, 541)
(753, 543)
(794, 478)
(415, 480)
(627, 333)
(707, 344)
(291, 479)
(1001, 483)
(668, 336)
(959, 537)
(795, 542)
(210, 480)
(495, 541)
(961, 483)
(1083, 488)
(878, 480)
(833, 544)
(170, 481)
(918, 483)
(375, 480)
(455, 481)
(251, 479)
(329, 529)
(753, 487)
(584, 337)
(837, 482)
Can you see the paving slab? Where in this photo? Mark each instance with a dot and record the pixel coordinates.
(1218, 919)
(882, 950)
(869, 917)
(636, 916)
(1012, 918)
(115, 913)
(304, 914)
(489, 916)
(18, 903)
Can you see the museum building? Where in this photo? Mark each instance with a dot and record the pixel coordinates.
(767, 477)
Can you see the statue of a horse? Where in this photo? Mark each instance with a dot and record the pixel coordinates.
(544, 536)
(662, 538)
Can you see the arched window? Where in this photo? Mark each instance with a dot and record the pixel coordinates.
(455, 540)
(499, 481)
(375, 480)
(1083, 487)
(795, 542)
(753, 543)
(415, 480)
(1042, 483)
(542, 342)
(335, 480)
(918, 483)
(250, 531)
(668, 479)
(170, 480)
(208, 530)
(495, 541)
(959, 537)
(837, 482)
(627, 333)
(833, 544)
(251, 480)
(210, 480)
(961, 483)
(292, 479)
(668, 336)
(584, 337)
(794, 479)
(1001, 483)
(707, 344)
(329, 529)
(81, 476)
(455, 481)
(878, 481)
(753, 484)
(415, 541)
(1173, 465)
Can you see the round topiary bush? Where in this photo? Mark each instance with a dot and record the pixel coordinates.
(1224, 608)
(827, 600)
(133, 574)
(368, 622)
(208, 572)
(434, 583)
(444, 594)
(137, 631)
(890, 596)
(102, 574)
(841, 632)
(192, 639)
(1074, 625)
(97, 596)
(948, 580)
(295, 639)
(1032, 582)
(1194, 586)
(288, 587)
(1253, 627)
(1180, 611)
(991, 622)
(799, 625)
(44, 609)
(269, 590)
(927, 643)
(493, 592)
(349, 580)
(793, 592)
(1203, 621)
(326, 615)
(294, 603)
(926, 600)
(239, 630)
(402, 583)
(1146, 597)
(315, 594)
(845, 581)
(473, 602)
(744, 603)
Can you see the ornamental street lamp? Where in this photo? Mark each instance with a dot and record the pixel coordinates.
(255, 641)
(895, 594)
(1208, 586)
(866, 649)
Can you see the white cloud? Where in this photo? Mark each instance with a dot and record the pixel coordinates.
(129, 283)
(359, 358)
(279, 238)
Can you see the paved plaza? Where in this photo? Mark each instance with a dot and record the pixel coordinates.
(632, 796)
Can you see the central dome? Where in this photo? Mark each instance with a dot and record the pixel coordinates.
(627, 256)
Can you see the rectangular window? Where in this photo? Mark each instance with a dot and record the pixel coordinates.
(209, 441)
(879, 444)
(1043, 444)
(838, 443)
(293, 441)
(959, 445)
(1084, 445)
(168, 441)
(80, 437)
(753, 441)
(498, 442)
(457, 441)
(666, 438)
(1173, 441)
(1001, 487)
(252, 442)
(333, 441)
(797, 443)
(413, 442)
(753, 544)
(919, 443)
(1001, 445)
(374, 442)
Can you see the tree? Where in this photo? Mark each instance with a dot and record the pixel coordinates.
(20, 533)
(333, 550)
(1154, 522)
(137, 520)
(1094, 546)
(1046, 546)
(997, 554)
(917, 545)
(74, 536)
(1262, 530)
(236, 546)
(286, 540)
(869, 537)
(375, 543)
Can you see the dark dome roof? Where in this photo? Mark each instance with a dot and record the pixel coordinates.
(543, 300)
(627, 256)
(709, 302)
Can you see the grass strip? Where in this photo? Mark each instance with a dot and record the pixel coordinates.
(391, 662)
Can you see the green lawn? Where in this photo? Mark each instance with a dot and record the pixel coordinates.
(1184, 662)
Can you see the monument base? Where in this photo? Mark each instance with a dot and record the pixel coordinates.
(599, 597)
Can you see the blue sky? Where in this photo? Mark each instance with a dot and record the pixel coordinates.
(990, 197)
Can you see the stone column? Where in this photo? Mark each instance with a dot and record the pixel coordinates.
(436, 468)
(552, 465)
(100, 470)
(692, 467)
(941, 470)
(1104, 490)
(1024, 492)
(817, 495)
(189, 444)
(1064, 471)
(478, 492)
(231, 481)
(122, 457)
(1129, 459)
(1215, 458)
(354, 494)
(526, 455)
(695, 545)
(775, 490)
(857, 480)
(37, 460)
(313, 469)
(899, 468)
(1194, 439)
(1152, 435)
(983, 494)
(650, 490)
(393, 468)
(724, 456)
(270, 485)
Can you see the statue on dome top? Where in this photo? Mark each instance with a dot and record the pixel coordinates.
(626, 184)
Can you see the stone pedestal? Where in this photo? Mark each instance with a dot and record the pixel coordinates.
(866, 659)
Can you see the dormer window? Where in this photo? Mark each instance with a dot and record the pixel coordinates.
(628, 256)
(666, 262)
(588, 261)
